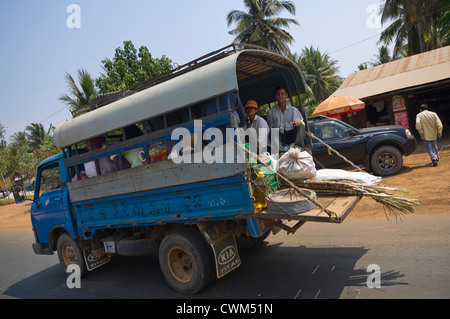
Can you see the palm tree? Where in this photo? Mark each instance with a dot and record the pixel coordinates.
(382, 57)
(415, 24)
(36, 136)
(262, 26)
(320, 73)
(2, 136)
(19, 138)
(80, 96)
(437, 17)
(363, 66)
(403, 29)
(443, 29)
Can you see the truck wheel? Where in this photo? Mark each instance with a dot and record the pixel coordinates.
(70, 253)
(386, 161)
(186, 261)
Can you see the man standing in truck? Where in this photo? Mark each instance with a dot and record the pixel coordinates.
(429, 126)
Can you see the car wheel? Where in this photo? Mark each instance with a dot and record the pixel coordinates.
(386, 161)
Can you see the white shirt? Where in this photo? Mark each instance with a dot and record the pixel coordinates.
(262, 129)
(283, 120)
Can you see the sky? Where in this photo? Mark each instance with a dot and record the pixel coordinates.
(42, 40)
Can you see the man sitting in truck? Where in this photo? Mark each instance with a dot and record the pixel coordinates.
(259, 124)
(288, 119)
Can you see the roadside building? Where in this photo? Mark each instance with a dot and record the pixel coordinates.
(394, 91)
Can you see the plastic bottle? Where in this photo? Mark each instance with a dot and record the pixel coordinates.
(260, 195)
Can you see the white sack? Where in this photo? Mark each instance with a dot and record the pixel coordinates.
(338, 174)
(296, 164)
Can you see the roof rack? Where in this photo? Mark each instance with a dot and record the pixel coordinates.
(107, 98)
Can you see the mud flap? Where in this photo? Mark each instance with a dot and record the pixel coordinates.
(92, 261)
(226, 255)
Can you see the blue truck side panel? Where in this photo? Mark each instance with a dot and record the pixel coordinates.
(227, 198)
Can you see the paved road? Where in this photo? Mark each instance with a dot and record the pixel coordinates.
(319, 261)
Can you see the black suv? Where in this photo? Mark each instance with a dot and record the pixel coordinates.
(379, 149)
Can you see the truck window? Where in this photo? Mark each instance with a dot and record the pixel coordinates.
(50, 179)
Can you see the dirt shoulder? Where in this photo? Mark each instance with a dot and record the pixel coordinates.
(430, 185)
(15, 217)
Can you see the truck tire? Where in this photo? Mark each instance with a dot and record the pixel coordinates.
(186, 261)
(70, 253)
(386, 160)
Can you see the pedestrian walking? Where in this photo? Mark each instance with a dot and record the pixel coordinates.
(429, 126)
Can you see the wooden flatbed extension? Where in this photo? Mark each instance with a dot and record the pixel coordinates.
(340, 205)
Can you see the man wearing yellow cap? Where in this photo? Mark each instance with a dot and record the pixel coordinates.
(258, 123)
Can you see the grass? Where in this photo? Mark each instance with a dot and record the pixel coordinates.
(7, 202)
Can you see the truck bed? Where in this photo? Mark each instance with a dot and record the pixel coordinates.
(163, 192)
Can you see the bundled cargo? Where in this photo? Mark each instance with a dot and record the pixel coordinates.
(381, 194)
(297, 164)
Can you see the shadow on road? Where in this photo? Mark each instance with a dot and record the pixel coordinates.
(267, 272)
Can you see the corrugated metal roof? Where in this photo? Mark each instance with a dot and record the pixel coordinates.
(412, 71)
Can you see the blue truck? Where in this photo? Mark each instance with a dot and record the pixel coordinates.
(112, 191)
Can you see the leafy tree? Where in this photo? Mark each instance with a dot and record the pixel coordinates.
(47, 149)
(443, 29)
(130, 67)
(19, 138)
(382, 57)
(79, 96)
(362, 66)
(403, 30)
(262, 26)
(2, 150)
(27, 150)
(416, 25)
(36, 136)
(2, 136)
(320, 73)
(16, 161)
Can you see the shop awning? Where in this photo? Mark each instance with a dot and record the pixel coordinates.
(420, 69)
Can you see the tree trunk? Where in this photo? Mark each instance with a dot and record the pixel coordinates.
(434, 30)
(420, 24)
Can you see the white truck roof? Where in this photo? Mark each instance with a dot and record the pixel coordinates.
(208, 81)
